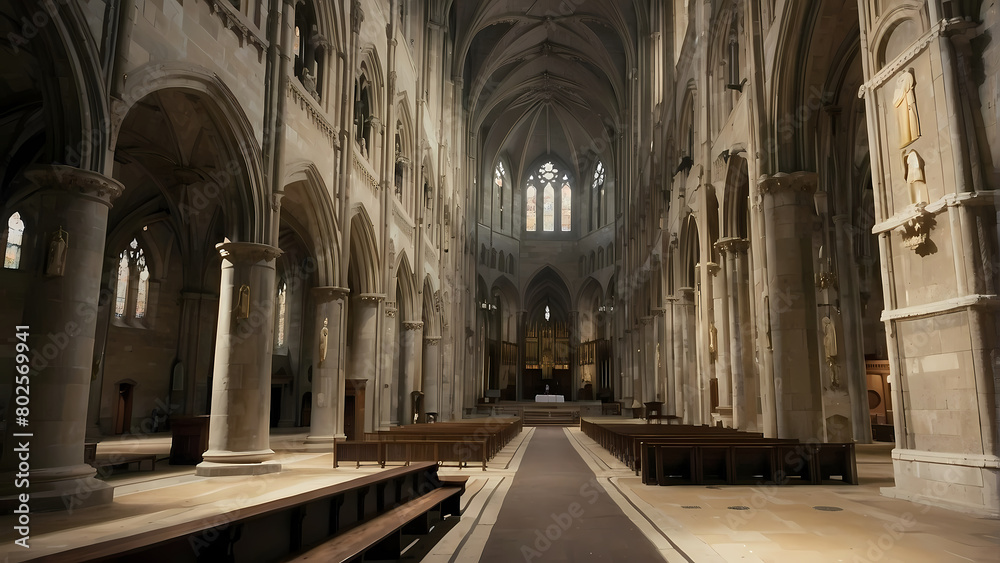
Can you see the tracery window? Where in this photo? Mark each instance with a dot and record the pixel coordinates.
(132, 266)
(15, 233)
(597, 195)
(498, 180)
(553, 203)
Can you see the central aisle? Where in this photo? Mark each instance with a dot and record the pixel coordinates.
(555, 510)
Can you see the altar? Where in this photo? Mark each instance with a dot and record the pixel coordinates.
(549, 399)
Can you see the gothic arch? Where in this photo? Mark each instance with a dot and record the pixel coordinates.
(364, 264)
(308, 200)
(250, 208)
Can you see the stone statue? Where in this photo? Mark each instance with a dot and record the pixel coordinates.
(309, 82)
(713, 341)
(829, 340)
(56, 263)
(243, 303)
(906, 109)
(915, 177)
(324, 337)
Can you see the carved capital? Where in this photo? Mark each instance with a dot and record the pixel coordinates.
(87, 184)
(371, 298)
(247, 252)
(413, 325)
(732, 245)
(330, 293)
(805, 182)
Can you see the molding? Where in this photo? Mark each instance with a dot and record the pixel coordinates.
(967, 460)
(371, 297)
(238, 23)
(247, 252)
(952, 305)
(307, 104)
(942, 28)
(732, 245)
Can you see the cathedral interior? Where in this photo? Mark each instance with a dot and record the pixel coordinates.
(329, 219)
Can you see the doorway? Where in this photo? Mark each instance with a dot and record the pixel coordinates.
(123, 410)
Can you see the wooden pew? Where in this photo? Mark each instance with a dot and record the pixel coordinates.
(289, 526)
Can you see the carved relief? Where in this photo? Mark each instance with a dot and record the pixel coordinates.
(916, 231)
(914, 167)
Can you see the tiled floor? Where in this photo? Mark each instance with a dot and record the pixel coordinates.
(779, 524)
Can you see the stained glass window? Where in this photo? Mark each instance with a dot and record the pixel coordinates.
(15, 232)
(531, 200)
(567, 196)
(142, 292)
(121, 290)
(548, 208)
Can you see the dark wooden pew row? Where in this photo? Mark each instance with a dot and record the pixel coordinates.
(362, 517)
(497, 432)
(695, 455)
(399, 449)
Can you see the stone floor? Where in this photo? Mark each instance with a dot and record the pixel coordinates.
(699, 524)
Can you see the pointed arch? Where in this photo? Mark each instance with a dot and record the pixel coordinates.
(363, 266)
(308, 200)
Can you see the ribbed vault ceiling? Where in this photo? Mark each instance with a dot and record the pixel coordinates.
(545, 77)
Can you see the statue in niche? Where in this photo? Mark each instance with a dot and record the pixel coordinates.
(906, 109)
(713, 342)
(914, 166)
(364, 147)
(324, 337)
(830, 349)
(243, 303)
(55, 264)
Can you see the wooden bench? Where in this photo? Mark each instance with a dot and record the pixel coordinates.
(278, 529)
(381, 537)
(397, 449)
(699, 455)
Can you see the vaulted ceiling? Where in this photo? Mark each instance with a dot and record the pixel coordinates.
(546, 77)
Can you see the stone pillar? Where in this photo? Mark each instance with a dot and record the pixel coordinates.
(853, 362)
(238, 436)
(744, 333)
(677, 356)
(59, 327)
(326, 419)
(690, 380)
(432, 375)
(735, 253)
(411, 346)
(361, 363)
(720, 318)
(194, 352)
(647, 343)
(576, 371)
(788, 219)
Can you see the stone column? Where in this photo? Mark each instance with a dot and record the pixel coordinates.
(721, 321)
(853, 362)
(59, 323)
(576, 371)
(194, 352)
(238, 436)
(432, 375)
(647, 343)
(691, 391)
(326, 419)
(745, 336)
(735, 251)
(788, 218)
(361, 363)
(411, 345)
(676, 357)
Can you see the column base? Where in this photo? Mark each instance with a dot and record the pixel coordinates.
(961, 482)
(67, 488)
(320, 438)
(213, 469)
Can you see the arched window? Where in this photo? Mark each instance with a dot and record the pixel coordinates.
(498, 180)
(597, 196)
(548, 209)
(15, 233)
(121, 289)
(142, 291)
(553, 203)
(308, 49)
(282, 316)
(531, 203)
(567, 198)
(132, 282)
(548, 314)
(362, 114)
